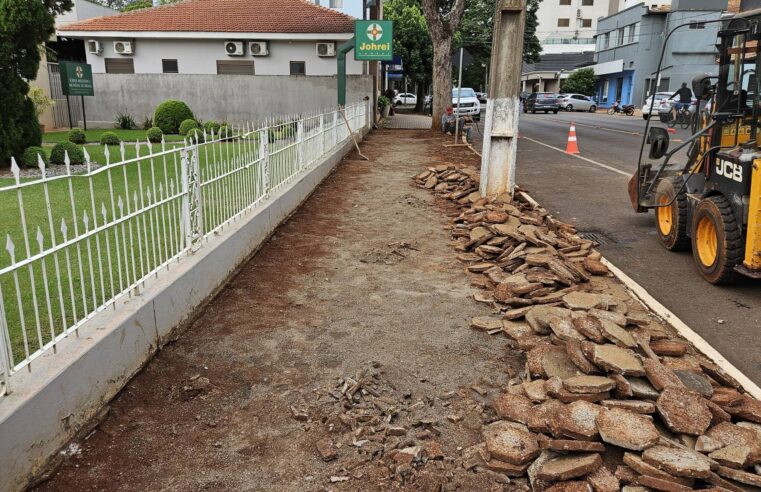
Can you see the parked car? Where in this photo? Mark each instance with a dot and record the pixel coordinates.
(542, 101)
(577, 102)
(653, 102)
(481, 97)
(664, 108)
(405, 98)
(469, 104)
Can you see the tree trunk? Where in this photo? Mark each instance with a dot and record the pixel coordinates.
(420, 93)
(442, 79)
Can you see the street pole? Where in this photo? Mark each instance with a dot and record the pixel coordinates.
(486, 80)
(502, 106)
(459, 89)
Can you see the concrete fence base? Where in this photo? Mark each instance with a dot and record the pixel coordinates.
(64, 391)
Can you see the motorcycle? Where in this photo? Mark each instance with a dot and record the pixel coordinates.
(627, 109)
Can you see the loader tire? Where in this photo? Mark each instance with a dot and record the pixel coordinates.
(717, 245)
(671, 221)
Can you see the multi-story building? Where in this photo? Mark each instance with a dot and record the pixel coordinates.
(628, 47)
(569, 26)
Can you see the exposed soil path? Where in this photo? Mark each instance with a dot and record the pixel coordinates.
(362, 276)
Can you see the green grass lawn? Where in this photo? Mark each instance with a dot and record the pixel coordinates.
(72, 283)
(93, 136)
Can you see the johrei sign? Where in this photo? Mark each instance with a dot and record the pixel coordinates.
(373, 40)
(76, 79)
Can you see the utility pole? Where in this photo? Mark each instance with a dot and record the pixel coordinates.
(502, 107)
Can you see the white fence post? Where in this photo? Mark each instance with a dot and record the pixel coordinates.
(185, 168)
(265, 157)
(300, 142)
(6, 363)
(322, 134)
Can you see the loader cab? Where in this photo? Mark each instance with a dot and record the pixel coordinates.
(706, 191)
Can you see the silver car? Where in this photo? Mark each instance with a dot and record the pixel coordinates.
(577, 102)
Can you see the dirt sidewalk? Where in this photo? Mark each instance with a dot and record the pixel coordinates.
(360, 283)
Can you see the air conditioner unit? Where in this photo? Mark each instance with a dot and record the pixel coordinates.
(94, 47)
(234, 48)
(326, 49)
(124, 47)
(259, 48)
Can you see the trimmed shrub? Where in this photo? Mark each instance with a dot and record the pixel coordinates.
(170, 114)
(195, 134)
(109, 138)
(212, 125)
(77, 136)
(154, 134)
(76, 155)
(187, 125)
(29, 157)
(125, 121)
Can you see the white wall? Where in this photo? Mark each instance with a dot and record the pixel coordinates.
(550, 11)
(82, 10)
(199, 56)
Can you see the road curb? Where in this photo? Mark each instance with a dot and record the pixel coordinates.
(685, 331)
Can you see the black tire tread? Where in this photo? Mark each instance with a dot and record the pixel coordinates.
(682, 242)
(733, 239)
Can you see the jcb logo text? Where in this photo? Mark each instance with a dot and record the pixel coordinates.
(729, 170)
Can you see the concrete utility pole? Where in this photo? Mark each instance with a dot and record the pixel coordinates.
(502, 107)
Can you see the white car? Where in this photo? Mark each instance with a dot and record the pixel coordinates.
(405, 98)
(469, 104)
(577, 102)
(653, 102)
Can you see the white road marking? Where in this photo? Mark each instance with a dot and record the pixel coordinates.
(598, 127)
(586, 159)
(699, 342)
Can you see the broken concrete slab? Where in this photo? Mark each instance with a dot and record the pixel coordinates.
(626, 429)
(619, 360)
(636, 406)
(641, 388)
(640, 466)
(510, 442)
(617, 334)
(660, 484)
(513, 407)
(576, 354)
(587, 300)
(570, 466)
(535, 390)
(571, 445)
(590, 327)
(747, 478)
(588, 384)
(678, 461)
(576, 420)
(748, 409)
(736, 456)
(613, 316)
(564, 330)
(668, 347)
(570, 486)
(547, 361)
(695, 382)
(659, 375)
(486, 323)
(539, 317)
(683, 411)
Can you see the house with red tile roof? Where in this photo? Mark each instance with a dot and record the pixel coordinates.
(241, 37)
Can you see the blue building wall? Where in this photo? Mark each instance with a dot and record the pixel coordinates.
(627, 88)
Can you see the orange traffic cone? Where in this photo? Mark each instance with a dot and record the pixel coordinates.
(572, 147)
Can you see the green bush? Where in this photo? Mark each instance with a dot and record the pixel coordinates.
(154, 134)
(147, 123)
(76, 155)
(225, 131)
(77, 136)
(187, 125)
(125, 121)
(109, 138)
(170, 114)
(195, 134)
(210, 126)
(29, 157)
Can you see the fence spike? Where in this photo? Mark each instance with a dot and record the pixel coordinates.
(87, 157)
(15, 170)
(40, 238)
(161, 191)
(67, 162)
(148, 193)
(163, 143)
(103, 212)
(86, 220)
(137, 148)
(64, 229)
(123, 150)
(11, 248)
(107, 153)
(120, 203)
(41, 165)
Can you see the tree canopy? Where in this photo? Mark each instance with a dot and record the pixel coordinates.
(25, 25)
(581, 81)
(411, 40)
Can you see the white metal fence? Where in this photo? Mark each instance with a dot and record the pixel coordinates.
(75, 243)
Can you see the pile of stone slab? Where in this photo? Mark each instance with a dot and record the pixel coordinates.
(611, 398)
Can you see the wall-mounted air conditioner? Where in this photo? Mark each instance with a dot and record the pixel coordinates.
(259, 48)
(234, 48)
(94, 47)
(124, 47)
(326, 49)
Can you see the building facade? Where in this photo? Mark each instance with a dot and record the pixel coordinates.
(569, 26)
(210, 37)
(629, 43)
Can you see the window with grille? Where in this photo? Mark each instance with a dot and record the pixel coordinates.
(235, 67)
(120, 65)
(169, 66)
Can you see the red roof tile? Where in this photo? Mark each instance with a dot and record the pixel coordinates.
(259, 16)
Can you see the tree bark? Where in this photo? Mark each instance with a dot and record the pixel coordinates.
(441, 28)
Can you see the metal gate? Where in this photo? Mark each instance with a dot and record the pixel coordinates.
(60, 108)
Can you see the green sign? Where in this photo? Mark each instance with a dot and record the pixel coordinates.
(373, 40)
(76, 79)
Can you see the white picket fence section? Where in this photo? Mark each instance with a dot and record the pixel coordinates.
(76, 243)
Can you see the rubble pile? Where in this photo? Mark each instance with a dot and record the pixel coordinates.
(610, 398)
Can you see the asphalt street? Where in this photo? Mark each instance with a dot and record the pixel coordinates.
(593, 197)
